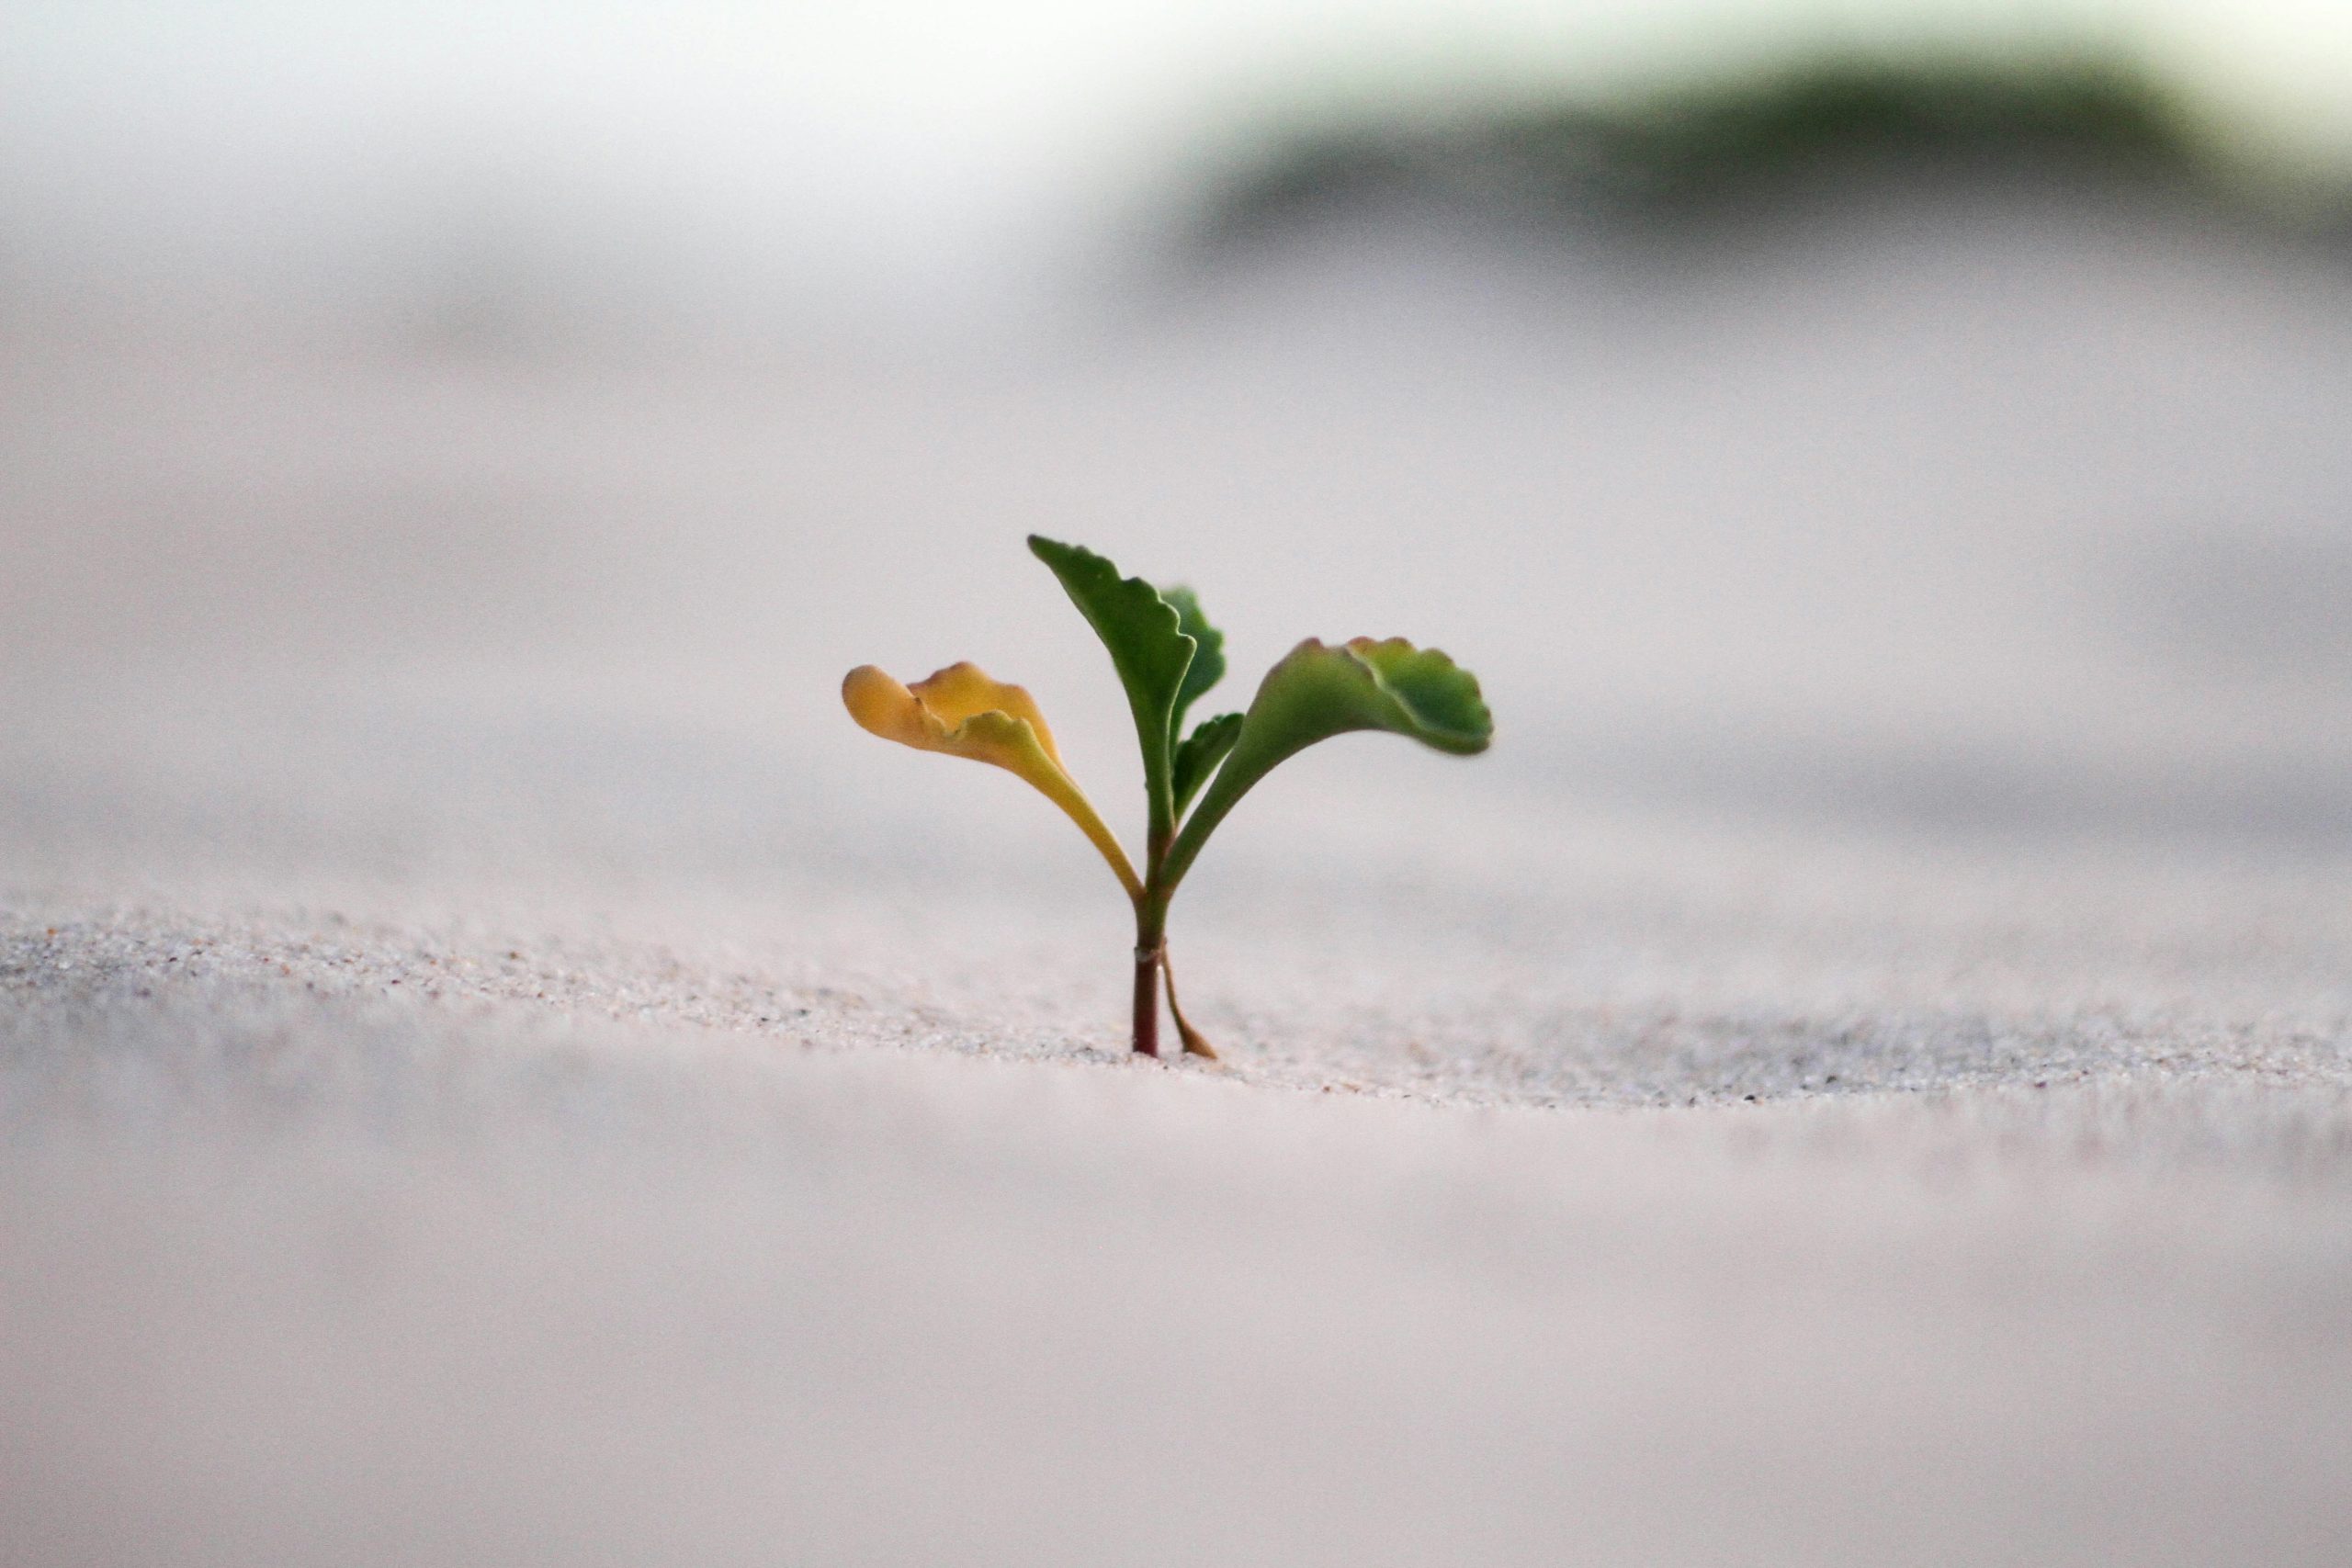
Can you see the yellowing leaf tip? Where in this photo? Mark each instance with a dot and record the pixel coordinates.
(884, 708)
(965, 711)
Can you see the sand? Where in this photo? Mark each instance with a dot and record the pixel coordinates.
(494, 1068)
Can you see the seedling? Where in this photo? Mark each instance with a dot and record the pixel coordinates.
(1168, 656)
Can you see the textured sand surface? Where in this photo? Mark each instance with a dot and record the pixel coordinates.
(494, 1068)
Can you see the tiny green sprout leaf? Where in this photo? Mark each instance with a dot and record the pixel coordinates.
(1199, 753)
(1209, 662)
(1145, 636)
(1167, 656)
(1318, 691)
(964, 713)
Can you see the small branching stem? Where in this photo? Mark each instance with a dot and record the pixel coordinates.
(1153, 971)
(1195, 1043)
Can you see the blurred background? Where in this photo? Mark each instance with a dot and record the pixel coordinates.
(1888, 461)
(446, 429)
(757, 181)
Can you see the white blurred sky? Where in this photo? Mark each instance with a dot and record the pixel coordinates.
(908, 150)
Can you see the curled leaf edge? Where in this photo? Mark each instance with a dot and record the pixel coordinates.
(882, 705)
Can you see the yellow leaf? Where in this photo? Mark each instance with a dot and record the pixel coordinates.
(962, 712)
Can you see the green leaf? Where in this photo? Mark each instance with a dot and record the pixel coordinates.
(1144, 633)
(1209, 663)
(1200, 752)
(1318, 691)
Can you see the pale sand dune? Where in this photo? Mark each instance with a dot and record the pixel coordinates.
(494, 1068)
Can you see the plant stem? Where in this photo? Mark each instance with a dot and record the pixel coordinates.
(1151, 940)
(1146, 999)
(1195, 1043)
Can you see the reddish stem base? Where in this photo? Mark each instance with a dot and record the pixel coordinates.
(1147, 1001)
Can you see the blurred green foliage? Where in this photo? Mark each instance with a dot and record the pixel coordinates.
(1736, 149)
